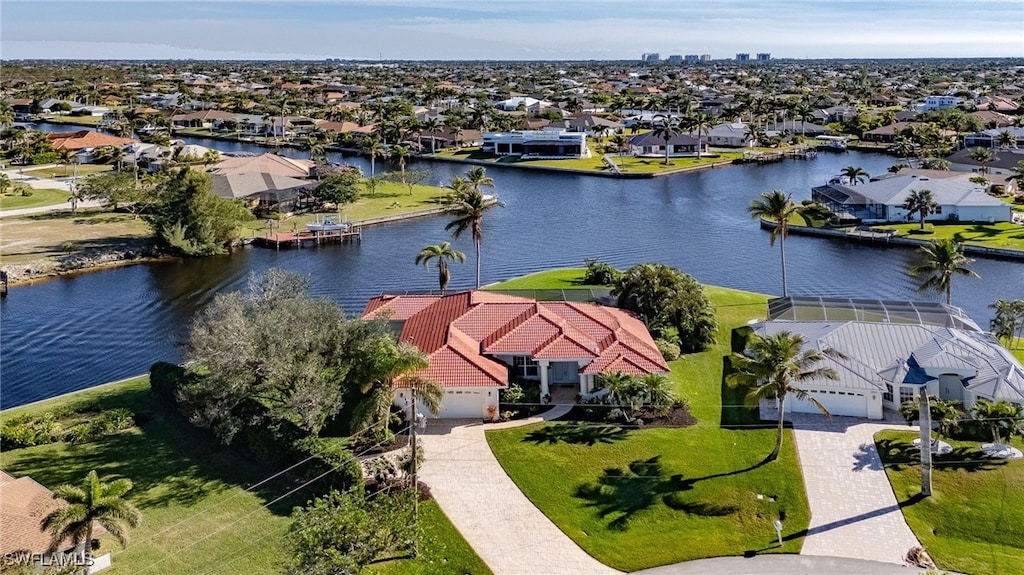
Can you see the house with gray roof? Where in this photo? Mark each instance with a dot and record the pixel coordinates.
(730, 135)
(882, 199)
(648, 145)
(890, 351)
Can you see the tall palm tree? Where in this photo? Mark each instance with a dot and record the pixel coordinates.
(942, 259)
(400, 155)
(1004, 419)
(772, 366)
(6, 114)
(66, 157)
(666, 129)
(478, 178)
(443, 253)
(94, 501)
(854, 175)
(1008, 320)
(1018, 173)
(983, 156)
(922, 202)
(469, 216)
(432, 125)
(374, 148)
(778, 208)
(621, 142)
(1005, 139)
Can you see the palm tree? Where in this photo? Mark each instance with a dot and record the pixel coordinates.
(373, 148)
(983, 156)
(854, 175)
(1004, 419)
(6, 114)
(942, 259)
(1005, 139)
(773, 364)
(399, 155)
(469, 216)
(665, 129)
(920, 201)
(66, 157)
(1008, 320)
(443, 253)
(621, 142)
(778, 208)
(94, 501)
(391, 363)
(433, 126)
(478, 178)
(1018, 173)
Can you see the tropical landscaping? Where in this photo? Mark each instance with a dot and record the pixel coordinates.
(636, 497)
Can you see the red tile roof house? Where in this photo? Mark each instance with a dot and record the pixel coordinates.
(475, 340)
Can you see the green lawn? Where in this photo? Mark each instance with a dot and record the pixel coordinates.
(565, 278)
(972, 522)
(391, 199)
(997, 235)
(65, 119)
(42, 197)
(626, 163)
(197, 515)
(667, 495)
(60, 171)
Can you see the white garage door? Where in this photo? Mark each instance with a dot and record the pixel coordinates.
(459, 404)
(846, 403)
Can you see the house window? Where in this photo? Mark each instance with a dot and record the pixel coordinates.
(887, 396)
(938, 210)
(906, 394)
(525, 366)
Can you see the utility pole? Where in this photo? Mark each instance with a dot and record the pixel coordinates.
(413, 423)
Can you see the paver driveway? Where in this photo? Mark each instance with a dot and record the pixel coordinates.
(508, 532)
(853, 510)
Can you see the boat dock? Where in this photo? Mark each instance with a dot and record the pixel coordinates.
(802, 153)
(301, 238)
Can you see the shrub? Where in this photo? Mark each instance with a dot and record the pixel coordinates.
(600, 273)
(917, 231)
(670, 351)
(514, 394)
(27, 192)
(165, 379)
(28, 432)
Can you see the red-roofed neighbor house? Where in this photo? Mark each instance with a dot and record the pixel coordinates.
(475, 340)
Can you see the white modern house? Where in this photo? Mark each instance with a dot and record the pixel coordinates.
(881, 200)
(730, 135)
(940, 103)
(555, 144)
(892, 350)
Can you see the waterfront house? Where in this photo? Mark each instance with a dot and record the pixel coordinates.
(998, 171)
(477, 341)
(204, 119)
(796, 127)
(989, 138)
(730, 135)
(85, 140)
(262, 191)
(585, 123)
(650, 146)
(890, 351)
(264, 164)
(881, 200)
(537, 144)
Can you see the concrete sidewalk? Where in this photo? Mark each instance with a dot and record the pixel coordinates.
(508, 532)
(780, 565)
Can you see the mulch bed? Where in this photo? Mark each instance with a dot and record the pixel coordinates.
(678, 416)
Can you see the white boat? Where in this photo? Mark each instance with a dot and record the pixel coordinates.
(328, 224)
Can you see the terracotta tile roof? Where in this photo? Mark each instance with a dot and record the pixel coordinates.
(23, 504)
(83, 139)
(264, 164)
(459, 333)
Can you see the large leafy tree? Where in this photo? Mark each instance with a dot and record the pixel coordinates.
(671, 303)
(118, 190)
(188, 219)
(940, 261)
(442, 253)
(339, 187)
(468, 216)
(922, 202)
(776, 207)
(774, 366)
(95, 501)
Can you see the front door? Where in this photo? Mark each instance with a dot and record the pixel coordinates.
(565, 372)
(951, 387)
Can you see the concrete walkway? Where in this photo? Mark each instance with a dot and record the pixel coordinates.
(854, 512)
(780, 565)
(508, 532)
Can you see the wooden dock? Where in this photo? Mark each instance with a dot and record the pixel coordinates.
(802, 153)
(298, 239)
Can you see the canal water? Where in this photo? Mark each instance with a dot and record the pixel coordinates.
(74, 332)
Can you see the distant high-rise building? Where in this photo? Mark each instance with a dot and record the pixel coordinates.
(742, 57)
(763, 56)
(654, 57)
(692, 58)
(643, 57)
(705, 57)
(675, 58)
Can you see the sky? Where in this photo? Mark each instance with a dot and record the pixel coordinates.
(508, 30)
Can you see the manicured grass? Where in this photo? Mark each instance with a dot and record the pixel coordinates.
(997, 235)
(443, 551)
(565, 278)
(198, 517)
(390, 199)
(667, 495)
(62, 119)
(626, 163)
(971, 524)
(42, 197)
(60, 172)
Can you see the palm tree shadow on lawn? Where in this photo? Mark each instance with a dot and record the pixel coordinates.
(897, 454)
(577, 434)
(621, 494)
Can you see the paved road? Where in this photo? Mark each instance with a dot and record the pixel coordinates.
(854, 512)
(508, 532)
(780, 565)
(39, 184)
